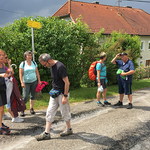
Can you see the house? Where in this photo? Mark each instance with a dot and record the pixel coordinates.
(112, 18)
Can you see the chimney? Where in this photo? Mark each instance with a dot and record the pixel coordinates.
(69, 6)
(129, 6)
(95, 2)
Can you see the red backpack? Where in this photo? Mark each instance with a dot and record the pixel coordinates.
(92, 71)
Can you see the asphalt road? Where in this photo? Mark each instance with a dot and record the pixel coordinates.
(94, 127)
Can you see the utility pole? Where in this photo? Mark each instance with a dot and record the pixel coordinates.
(119, 1)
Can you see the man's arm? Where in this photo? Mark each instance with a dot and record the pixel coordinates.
(67, 84)
(114, 59)
(131, 70)
(128, 73)
(66, 90)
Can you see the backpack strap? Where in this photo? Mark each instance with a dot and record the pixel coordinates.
(34, 63)
(23, 64)
(31, 61)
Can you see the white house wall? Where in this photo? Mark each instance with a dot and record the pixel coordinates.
(145, 51)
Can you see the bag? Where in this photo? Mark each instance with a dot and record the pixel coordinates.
(39, 87)
(54, 93)
(92, 71)
(119, 71)
(100, 89)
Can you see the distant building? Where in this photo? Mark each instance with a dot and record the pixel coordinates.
(112, 18)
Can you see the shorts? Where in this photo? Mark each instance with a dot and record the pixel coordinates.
(103, 83)
(54, 103)
(3, 98)
(29, 90)
(124, 86)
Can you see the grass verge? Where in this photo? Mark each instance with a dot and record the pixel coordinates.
(84, 93)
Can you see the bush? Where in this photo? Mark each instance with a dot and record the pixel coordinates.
(61, 39)
(142, 72)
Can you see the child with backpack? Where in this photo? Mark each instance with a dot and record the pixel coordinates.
(101, 80)
(97, 71)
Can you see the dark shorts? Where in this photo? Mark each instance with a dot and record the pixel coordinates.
(124, 86)
(103, 83)
(3, 98)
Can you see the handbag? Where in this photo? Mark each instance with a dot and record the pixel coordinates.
(54, 93)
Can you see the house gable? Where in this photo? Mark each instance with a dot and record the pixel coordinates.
(112, 18)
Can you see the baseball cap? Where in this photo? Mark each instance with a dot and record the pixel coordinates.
(122, 54)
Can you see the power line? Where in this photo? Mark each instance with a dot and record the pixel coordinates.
(10, 11)
(137, 1)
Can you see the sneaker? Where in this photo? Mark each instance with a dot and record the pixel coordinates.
(5, 117)
(107, 103)
(4, 126)
(43, 136)
(118, 104)
(32, 111)
(22, 114)
(130, 106)
(66, 132)
(17, 119)
(100, 104)
(4, 131)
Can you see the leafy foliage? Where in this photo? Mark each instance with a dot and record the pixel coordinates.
(65, 41)
(118, 43)
(71, 43)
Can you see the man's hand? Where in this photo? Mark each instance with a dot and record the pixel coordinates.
(123, 74)
(114, 59)
(64, 100)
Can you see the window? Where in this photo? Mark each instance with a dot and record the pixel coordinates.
(142, 45)
(147, 62)
(149, 45)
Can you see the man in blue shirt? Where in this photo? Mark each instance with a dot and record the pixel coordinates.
(124, 77)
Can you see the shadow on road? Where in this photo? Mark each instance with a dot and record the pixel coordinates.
(146, 108)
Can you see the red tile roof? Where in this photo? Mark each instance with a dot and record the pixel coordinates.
(111, 18)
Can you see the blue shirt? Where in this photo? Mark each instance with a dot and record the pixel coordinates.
(29, 72)
(128, 66)
(102, 68)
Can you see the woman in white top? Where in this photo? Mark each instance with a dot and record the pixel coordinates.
(29, 78)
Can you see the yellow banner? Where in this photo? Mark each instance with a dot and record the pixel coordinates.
(34, 24)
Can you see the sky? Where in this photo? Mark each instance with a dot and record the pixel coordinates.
(11, 10)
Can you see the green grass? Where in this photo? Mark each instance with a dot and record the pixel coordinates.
(84, 93)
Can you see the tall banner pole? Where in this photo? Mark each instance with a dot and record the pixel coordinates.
(37, 25)
(32, 32)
